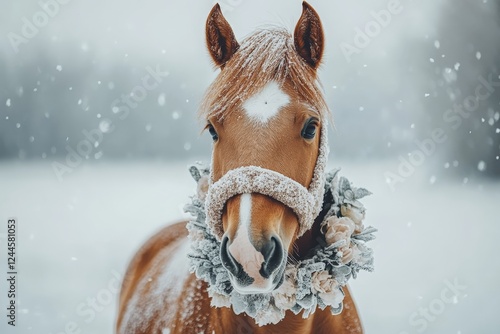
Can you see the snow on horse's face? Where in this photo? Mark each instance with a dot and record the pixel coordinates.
(264, 109)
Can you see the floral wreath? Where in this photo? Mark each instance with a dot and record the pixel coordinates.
(315, 281)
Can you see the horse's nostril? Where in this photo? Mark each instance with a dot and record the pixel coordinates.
(273, 257)
(227, 259)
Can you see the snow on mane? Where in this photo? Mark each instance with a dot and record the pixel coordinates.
(267, 55)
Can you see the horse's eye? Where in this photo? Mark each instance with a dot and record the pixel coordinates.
(213, 133)
(309, 129)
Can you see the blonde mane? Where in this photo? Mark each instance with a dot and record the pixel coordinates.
(266, 55)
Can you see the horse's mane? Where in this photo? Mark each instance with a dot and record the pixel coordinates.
(266, 55)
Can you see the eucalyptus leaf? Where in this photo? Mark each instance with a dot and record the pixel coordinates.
(206, 263)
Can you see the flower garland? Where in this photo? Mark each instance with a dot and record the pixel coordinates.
(315, 281)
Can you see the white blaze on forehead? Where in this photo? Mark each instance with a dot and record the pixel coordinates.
(267, 103)
(241, 247)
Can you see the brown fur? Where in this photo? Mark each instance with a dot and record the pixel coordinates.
(311, 48)
(220, 37)
(207, 319)
(278, 145)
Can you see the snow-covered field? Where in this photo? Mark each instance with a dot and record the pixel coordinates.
(77, 236)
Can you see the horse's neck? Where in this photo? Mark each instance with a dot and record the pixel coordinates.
(320, 322)
(232, 323)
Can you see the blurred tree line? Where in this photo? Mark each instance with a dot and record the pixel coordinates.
(383, 104)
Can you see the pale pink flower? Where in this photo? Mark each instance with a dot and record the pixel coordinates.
(336, 229)
(347, 254)
(327, 288)
(284, 296)
(355, 214)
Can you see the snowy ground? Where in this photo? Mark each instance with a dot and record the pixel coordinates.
(77, 236)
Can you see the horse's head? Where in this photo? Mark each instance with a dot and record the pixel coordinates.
(264, 109)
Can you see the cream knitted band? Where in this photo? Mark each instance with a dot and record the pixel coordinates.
(306, 203)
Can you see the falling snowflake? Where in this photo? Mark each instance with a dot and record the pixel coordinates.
(105, 126)
(161, 100)
(481, 166)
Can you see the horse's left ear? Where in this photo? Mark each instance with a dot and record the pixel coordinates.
(308, 36)
(221, 42)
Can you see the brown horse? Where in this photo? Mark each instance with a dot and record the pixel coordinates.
(264, 109)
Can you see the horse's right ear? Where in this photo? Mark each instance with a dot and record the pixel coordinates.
(221, 42)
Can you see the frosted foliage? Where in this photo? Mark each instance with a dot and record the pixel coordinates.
(311, 282)
(267, 55)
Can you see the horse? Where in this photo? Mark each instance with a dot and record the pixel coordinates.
(265, 108)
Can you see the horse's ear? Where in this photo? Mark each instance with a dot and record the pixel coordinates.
(308, 36)
(221, 42)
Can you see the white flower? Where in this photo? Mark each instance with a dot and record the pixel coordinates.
(327, 288)
(269, 315)
(285, 295)
(219, 300)
(347, 254)
(322, 282)
(195, 235)
(334, 298)
(202, 189)
(355, 214)
(336, 229)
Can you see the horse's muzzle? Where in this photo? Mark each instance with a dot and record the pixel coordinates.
(263, 280)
